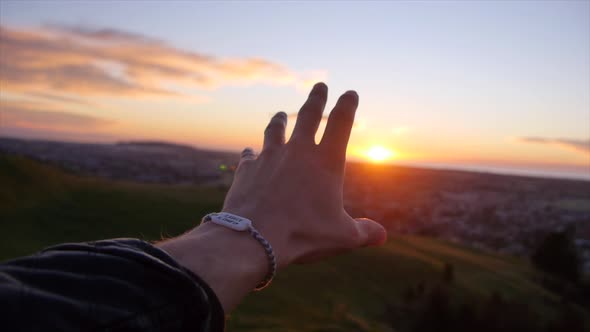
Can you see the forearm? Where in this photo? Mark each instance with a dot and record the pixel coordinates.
(231, 263)
(121, 284)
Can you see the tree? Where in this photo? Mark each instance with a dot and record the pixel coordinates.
(448, 273)
(557, 255)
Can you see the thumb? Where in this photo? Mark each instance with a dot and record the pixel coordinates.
(370, 232)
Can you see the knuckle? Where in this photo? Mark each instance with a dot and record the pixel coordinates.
(245, 164)
(353, 237)
(270, 149)
(243, 167)
(301, 142)
(268, 131)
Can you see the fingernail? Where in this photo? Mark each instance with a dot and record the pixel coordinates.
(319, 87)
(281, 116)
(351, 93)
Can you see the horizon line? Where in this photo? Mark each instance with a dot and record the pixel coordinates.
(507, 170)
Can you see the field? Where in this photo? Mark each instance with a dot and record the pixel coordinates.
(41, 205)
(366, 290)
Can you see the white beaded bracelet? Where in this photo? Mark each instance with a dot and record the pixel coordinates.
(241, 224)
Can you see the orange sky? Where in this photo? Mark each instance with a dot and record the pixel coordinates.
(449, 91)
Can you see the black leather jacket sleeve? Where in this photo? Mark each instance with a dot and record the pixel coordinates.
(111, 285)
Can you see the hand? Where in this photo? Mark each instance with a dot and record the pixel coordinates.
(293, 191)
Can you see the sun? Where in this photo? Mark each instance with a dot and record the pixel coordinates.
(379, 153)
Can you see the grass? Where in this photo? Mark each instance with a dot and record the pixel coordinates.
(352, 290)
(41, 205)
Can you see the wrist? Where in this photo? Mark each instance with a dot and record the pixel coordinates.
(231, 262)
(240, 249)
(241, 224)
(263, 221)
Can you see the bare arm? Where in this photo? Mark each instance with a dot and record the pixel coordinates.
(292, 192)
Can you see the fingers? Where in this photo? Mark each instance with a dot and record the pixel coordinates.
(370, 233)
(274, 134)
(310, 114)
(340, 121)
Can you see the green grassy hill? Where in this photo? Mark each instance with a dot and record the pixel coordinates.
(41, 205)
(355, 290)
(372, 289)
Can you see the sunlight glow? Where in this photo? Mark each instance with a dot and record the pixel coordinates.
(380, 154)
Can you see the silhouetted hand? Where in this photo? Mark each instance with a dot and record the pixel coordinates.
(292, 191)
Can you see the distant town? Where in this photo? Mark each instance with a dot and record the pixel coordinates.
(500, 213)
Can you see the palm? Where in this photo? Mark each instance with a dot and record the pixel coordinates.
(293, 191)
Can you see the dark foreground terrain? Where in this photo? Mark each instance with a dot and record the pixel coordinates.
(413, 283)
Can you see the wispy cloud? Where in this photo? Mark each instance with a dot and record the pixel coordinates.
(31, 115)
(577, 145)
(106, 62)
(61, 99)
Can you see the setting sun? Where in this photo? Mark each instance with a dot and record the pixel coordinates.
(379, 154)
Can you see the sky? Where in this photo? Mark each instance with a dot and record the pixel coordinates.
(491, 85)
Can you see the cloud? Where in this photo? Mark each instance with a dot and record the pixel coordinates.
(105, 34)
(107, 62)
(61, 99)
(31, 115)
(577, 145)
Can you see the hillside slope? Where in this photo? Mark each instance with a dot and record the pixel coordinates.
(366, 290)
(358, 291)
(41, 205)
